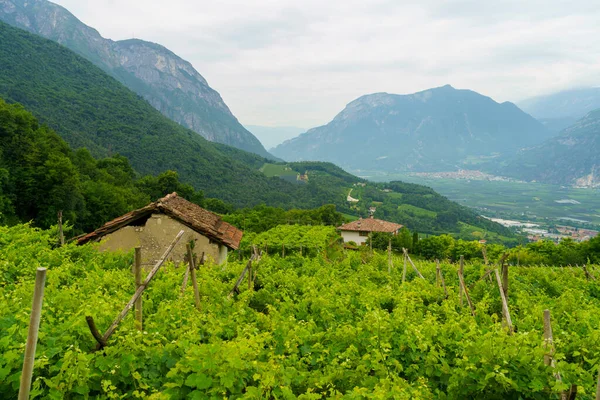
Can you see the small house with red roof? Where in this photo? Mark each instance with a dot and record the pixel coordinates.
(154, 227)
(358, 231)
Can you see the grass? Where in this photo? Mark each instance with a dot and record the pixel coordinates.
(417, 211)
(271, 170)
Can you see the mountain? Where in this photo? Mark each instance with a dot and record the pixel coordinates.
(435, 130)
(88, 108)
(571, 158)
(574, 104)
(169, 83)
(271, 136)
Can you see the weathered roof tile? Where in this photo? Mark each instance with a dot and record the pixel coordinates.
(190, 214)
(371, 225)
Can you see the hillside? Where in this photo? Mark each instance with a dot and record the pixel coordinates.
(574, 103)
(572, 158)
(435, 130)
(90, 109)
(169, 83)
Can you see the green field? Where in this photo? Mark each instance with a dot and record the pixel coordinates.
(534, 202)
(417, 211)
(271, 170)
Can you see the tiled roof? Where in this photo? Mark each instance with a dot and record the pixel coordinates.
(189, 214)
(370, 225)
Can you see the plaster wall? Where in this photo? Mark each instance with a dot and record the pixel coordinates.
(353, 236)
(156, 235)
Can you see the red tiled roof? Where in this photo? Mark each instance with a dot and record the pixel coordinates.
(371, 225)
(189, 214)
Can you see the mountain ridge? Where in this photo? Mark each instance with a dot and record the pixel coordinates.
(169, 83)
(431, 130)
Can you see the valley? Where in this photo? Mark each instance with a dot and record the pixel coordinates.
(539, 203)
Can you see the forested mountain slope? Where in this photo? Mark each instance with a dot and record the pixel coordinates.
(90, 109)
(167, 82)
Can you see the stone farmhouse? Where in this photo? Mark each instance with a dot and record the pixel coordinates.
(154, 227)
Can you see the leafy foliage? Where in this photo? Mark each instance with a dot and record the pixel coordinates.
(311, 329)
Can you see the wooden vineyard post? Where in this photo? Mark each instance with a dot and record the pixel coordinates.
(505, 310)
(282, 250)
(137, 269)
(185, 280)
(598, 387)
(549, 356)
(505, 277)
(242, 275)
(441, 275)
(300, 250)
(390, 257)
(461, 269)
(485, 258)
(32, 335)
(464, 290)
(61, 235)
(588, 276)
(192, 268)
(404, 269)
(250, 281)
(136, 295)
(413, 264)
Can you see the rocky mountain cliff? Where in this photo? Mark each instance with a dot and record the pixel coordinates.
(166, 81)
(572, 158)
(435, 130)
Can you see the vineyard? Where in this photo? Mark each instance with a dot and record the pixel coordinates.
(324, 324)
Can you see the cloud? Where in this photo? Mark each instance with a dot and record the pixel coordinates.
(283, 62)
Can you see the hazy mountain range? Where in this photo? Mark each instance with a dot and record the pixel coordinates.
(167, 82)
(271, 136)
(558, 111)
(438, 129)
(571, 158)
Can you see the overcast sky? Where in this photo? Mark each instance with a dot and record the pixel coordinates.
(298, 63)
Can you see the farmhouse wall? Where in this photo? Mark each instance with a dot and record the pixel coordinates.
(354, 236)
(156, 235)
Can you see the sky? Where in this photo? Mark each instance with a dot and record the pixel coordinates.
(298, 63)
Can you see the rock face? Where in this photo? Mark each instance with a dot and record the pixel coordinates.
(572, 158)
(166, 81)
(439, 129)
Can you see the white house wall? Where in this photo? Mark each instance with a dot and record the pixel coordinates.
(354, 236)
